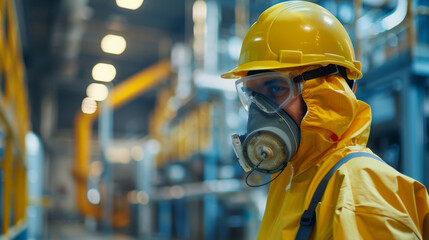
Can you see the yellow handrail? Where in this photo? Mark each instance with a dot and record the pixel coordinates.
(120, 95)
(14, 121)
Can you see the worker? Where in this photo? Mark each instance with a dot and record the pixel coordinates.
(297, 72)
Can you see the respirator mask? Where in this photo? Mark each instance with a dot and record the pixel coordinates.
(272, 137)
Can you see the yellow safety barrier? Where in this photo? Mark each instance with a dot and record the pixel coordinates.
(120, 95)
(14, 123)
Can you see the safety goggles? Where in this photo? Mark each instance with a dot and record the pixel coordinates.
(278, 87)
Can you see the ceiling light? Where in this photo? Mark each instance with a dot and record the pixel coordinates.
(199, 11)
(93, 196)
(95, 169)
(129, 4)
(118, 155)
(89, 105)
(97, 91)
(103, 72)
(137, 153)
(142, 197)
(113, 44)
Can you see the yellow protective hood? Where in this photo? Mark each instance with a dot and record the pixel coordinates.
(335, 119)
(365, 198)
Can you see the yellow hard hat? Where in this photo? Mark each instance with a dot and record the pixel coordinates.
(293, 34)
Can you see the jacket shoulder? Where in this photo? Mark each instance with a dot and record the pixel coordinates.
(366, 171)
(370, 179)
(365, 188)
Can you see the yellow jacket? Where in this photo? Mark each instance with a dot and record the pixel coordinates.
(365, 198)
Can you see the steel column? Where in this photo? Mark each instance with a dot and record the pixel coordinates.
(413, 128)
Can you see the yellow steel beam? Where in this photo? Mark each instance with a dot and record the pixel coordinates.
(139, 83)
(14, 120)
(160, 116)
(20, 192)
(120, 95)
(7, 184)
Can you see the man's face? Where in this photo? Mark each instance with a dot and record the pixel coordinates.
(279, 88)
(296, 109)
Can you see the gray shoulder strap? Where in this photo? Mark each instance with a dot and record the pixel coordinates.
(308, 219)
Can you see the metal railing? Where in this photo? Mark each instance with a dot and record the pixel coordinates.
(14, 125)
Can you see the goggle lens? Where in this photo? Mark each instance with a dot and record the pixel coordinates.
(275, 86)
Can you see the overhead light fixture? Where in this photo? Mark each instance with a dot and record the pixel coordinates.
(89, 106)
(137, 153)
(118, 155)
(143, 197)
(93, 196)
(95, 169)
(97, 91)
(103, 72)
(113, 44)
(129, 4)
(199, 11)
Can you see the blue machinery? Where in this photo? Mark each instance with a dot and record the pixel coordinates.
(397, 90)
(190, 187)
(393, 43)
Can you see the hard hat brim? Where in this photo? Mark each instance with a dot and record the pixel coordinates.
(241, 71)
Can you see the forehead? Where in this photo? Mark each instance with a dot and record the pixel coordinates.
(254, 72)
(295, 70)
(264, 82)
(266, 77)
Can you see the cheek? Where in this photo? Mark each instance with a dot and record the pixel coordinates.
(296, 109)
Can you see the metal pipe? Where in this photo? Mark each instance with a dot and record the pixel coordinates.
(389, 22)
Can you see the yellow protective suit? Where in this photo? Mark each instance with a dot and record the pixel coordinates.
(365, 198)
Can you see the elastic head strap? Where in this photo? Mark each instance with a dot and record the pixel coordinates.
(343, 72)
(316, 73)
(323, 71)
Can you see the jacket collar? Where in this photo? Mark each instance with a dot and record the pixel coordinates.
(335, 120)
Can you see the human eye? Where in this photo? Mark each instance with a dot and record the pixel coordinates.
(275, 89)
(278, 90)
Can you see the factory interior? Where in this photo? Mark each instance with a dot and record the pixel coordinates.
(116, 124)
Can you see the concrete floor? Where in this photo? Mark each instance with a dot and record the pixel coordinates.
(76, 231)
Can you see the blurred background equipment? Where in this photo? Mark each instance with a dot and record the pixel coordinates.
(114, 121)
(15, 137)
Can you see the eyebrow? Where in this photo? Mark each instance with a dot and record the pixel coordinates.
(272, 81)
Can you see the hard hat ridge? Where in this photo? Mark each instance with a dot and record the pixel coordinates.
(293, 34)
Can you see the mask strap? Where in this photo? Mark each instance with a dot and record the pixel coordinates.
(316, 73)
(323, 71)
(254, 168)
